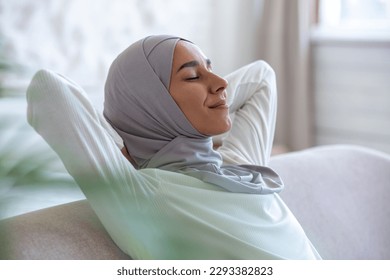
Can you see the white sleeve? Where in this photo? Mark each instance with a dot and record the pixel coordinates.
(62, 114)
(252, 99)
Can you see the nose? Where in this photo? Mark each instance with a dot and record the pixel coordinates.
(218, 84)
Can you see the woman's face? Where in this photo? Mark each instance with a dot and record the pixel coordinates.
(200, 94)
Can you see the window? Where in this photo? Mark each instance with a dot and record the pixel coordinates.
(355, 14)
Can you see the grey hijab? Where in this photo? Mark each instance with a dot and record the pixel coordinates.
(154, 129)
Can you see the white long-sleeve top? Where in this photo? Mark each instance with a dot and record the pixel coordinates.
(151, 213)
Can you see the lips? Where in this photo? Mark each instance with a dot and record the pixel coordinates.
(219, 104)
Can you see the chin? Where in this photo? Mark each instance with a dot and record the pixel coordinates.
(220, 129)
(219, 126)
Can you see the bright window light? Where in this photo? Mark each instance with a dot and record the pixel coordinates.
(355, 14)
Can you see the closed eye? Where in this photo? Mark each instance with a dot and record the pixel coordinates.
(192, 78)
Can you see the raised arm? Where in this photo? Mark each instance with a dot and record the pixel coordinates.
(61, 113)
(252, 99)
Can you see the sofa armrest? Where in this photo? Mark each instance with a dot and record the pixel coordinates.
(340, 195)
(67, 232)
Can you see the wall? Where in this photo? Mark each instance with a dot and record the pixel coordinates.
(80, 38)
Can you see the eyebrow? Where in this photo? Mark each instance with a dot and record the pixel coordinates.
(193, 63)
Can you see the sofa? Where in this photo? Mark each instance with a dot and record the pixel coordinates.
(338, 193)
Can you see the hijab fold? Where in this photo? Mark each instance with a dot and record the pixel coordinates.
(155, 131)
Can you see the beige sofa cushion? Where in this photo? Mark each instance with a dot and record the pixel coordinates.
(69, 231)
(340, 194)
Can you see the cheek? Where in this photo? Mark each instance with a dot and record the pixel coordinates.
(194, 111)
(192, 100)
(189, 98)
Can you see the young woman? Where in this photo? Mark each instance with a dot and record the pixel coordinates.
(197, 186)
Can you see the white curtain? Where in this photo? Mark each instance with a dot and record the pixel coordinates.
(283, 41)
